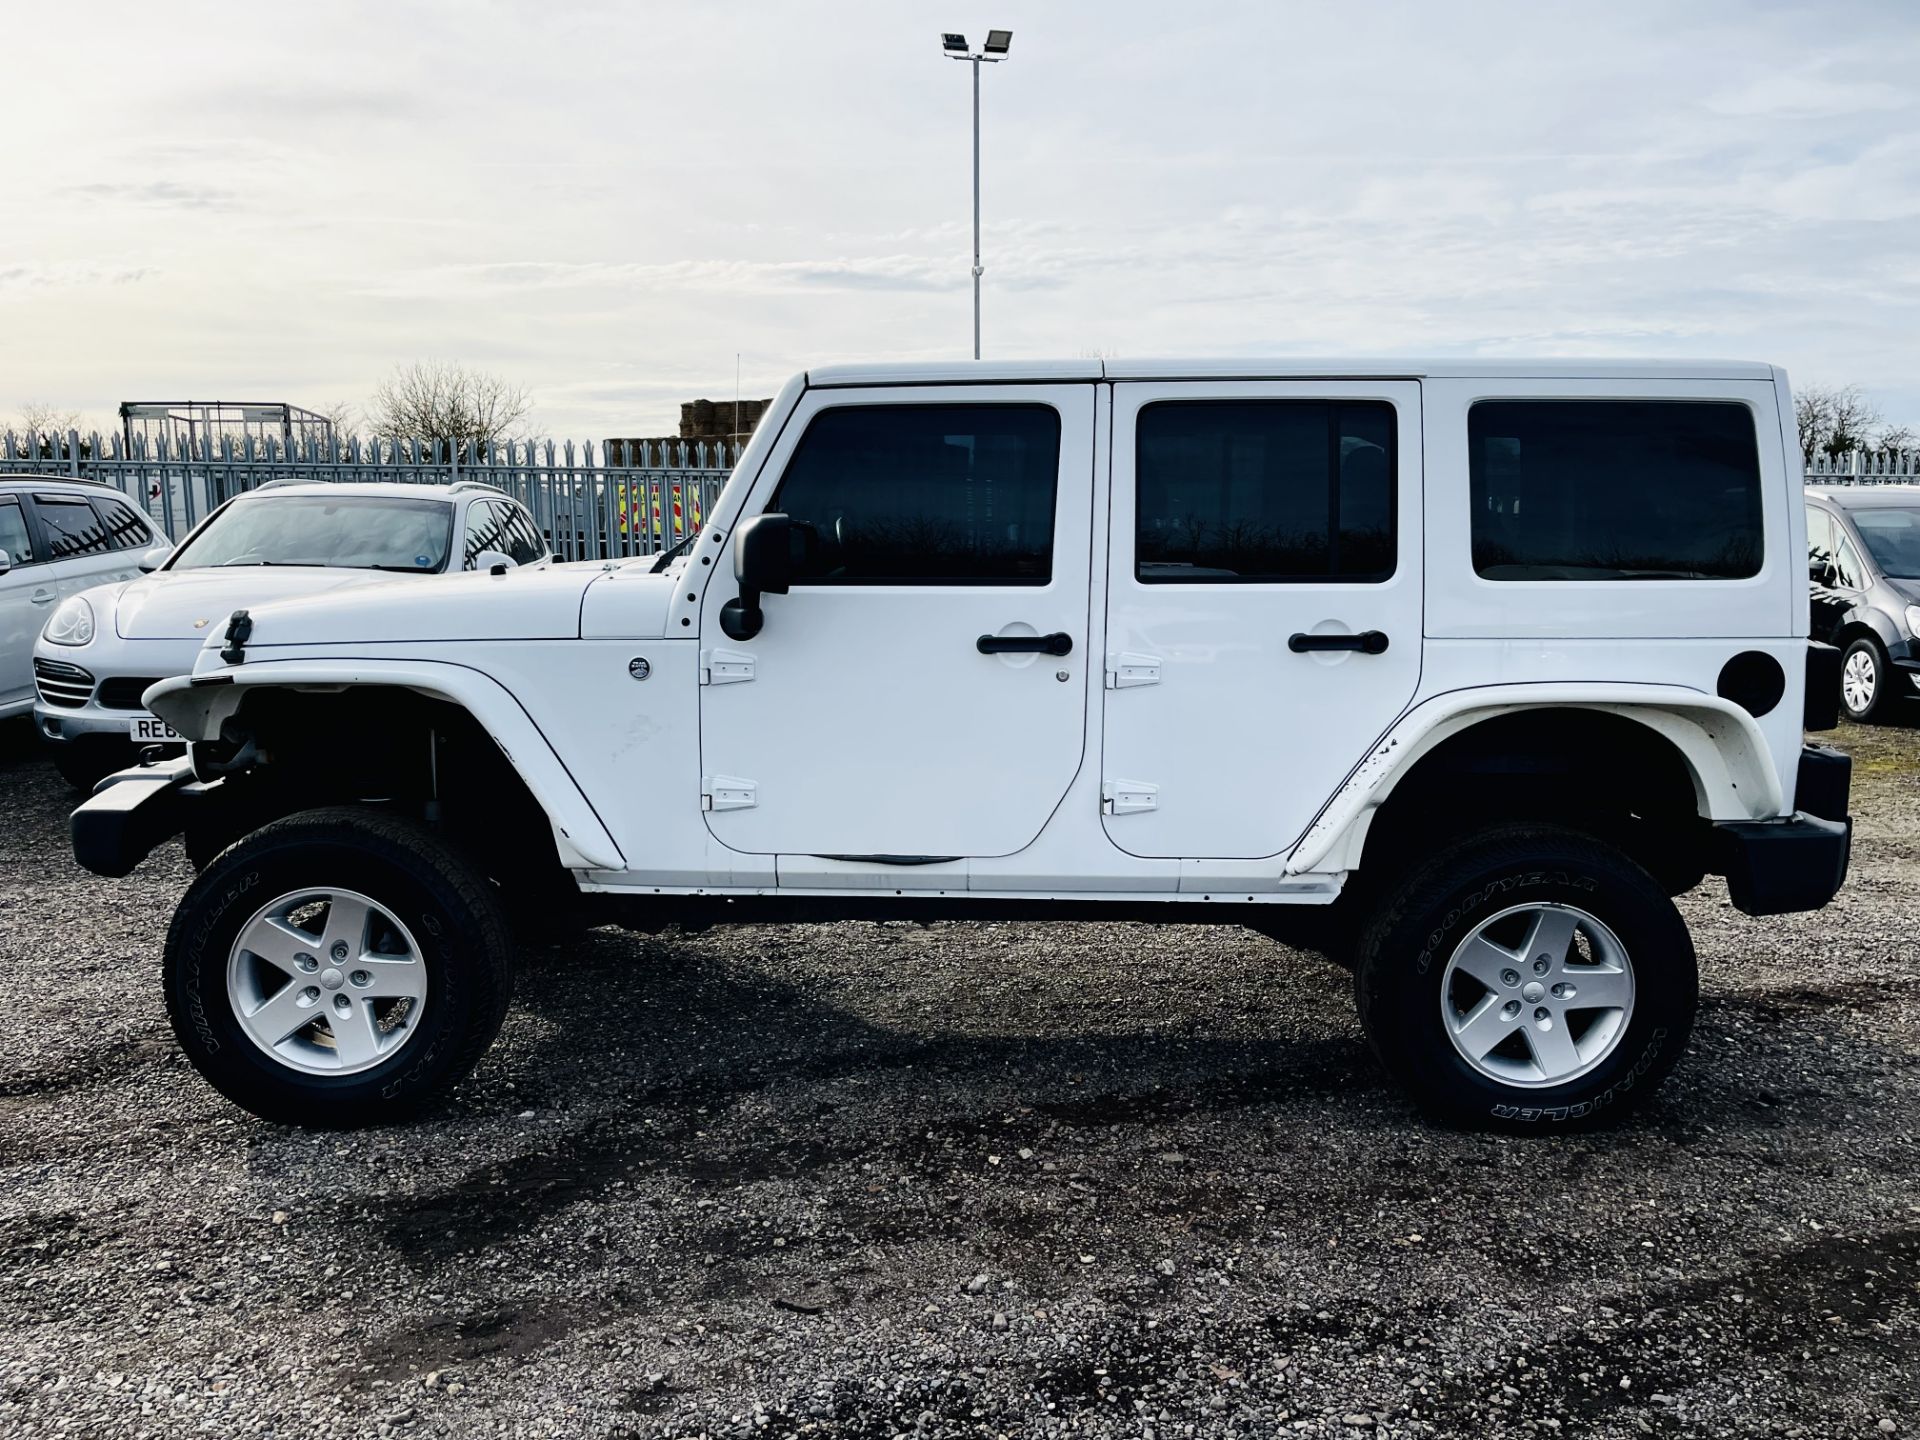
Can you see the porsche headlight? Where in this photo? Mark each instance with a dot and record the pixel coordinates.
(71, 624)
(1913, 621)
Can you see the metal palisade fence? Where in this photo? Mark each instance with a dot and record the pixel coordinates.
(1865, 467)
(639, 499)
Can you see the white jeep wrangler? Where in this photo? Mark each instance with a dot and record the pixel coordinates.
(1461, 670)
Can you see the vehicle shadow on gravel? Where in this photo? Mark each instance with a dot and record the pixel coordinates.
(669, 1063)
(657, 1062)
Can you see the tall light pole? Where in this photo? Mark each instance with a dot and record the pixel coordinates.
(992, 53)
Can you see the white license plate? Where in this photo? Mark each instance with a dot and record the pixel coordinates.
(151, 730)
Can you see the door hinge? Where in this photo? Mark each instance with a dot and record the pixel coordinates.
(725, 667)
(1128, 797)
(1128, 668)
(727, 792)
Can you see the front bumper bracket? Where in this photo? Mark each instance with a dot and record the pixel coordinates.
(133, 812)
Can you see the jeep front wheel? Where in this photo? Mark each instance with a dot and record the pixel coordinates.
(1527, 978)
(339, 967)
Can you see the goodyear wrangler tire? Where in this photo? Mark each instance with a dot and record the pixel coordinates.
(337, 968)
(1529, 978)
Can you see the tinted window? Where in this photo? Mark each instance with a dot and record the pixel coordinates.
(125, 530)
(1614, 490)
(1892, 537)
(358, 532)
(1819, 540)
(72, 527)
(1265, 490)
(1846, 566)
(925, 494)
(483, 532)
(524, 544)
(13, 533)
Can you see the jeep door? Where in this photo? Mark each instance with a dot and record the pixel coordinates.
(1264, 605)
(907, 699)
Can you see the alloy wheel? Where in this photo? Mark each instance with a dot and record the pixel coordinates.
(328, 982)
(1537, 995)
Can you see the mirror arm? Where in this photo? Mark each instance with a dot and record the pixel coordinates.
(742, 617)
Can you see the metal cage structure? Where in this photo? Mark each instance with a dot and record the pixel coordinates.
(196, 427)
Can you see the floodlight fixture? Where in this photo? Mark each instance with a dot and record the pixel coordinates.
(955, 46)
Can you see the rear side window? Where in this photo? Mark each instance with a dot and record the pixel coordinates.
(483, 532)
(924, 495)
(125, 530)
(1819, 540)
(72, 527)
(1264, 491)
(1614, 490)
(13, 534)
(524, 543)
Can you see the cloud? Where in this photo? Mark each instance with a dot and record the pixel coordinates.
(69, 276)
(160, 194)
(884, 273)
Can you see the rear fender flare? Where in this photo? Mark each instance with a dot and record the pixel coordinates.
(1725, 752)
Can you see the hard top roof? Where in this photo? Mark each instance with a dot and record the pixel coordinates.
(961, 372)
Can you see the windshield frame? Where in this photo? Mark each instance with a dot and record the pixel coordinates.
(1878, 560)
(448, 509)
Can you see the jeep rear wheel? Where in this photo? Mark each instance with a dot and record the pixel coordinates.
(339, 967)
(1529, 977)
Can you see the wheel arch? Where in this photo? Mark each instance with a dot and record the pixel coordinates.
(1654, 739)
(365, 698)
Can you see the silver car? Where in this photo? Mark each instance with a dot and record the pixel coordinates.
(102, 649)
(57, 538)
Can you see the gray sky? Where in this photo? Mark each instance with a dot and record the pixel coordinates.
(606, 202)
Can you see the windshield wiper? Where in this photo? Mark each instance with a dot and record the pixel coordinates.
(229, 564)
(667, 557)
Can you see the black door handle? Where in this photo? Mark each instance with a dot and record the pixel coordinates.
(1367, 642)
(1058, 643)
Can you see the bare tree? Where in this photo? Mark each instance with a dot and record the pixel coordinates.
(344, 415)
(39, 418)
(45, 429)
(1836, 419)
(443, 401)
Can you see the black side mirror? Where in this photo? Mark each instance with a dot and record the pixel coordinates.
(763, 564)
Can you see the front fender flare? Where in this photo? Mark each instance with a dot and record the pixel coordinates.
(1725, 752)
(197, 706)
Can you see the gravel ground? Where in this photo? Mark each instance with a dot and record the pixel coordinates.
(869, 1180)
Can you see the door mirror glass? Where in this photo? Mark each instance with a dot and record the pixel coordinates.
(153, 559)
(6, 562)
(763, 564)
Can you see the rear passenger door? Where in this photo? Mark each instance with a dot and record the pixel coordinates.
(1264, 593)
(83, 548)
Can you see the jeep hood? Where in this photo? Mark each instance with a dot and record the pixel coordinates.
(534, 603)
(186, 604)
